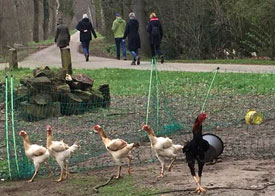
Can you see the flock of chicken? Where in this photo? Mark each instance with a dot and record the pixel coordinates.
(120, 149)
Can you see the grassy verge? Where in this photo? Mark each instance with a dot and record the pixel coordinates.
(229, 61)
(135, 82)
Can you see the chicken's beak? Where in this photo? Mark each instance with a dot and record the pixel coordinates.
(140, 130)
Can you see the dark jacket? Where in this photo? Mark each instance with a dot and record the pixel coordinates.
(62, 36)
(85, 24)
(154, 39)
(133, 36)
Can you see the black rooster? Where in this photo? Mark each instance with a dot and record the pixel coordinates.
(195, 149)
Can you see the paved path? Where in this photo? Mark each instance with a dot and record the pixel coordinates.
(51, 57)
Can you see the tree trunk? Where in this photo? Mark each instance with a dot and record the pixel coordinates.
(139, 9)
(36, 21)
(46, 19)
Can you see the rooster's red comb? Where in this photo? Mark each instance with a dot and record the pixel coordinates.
(145, 127)
(97, 127)
(49, 127)
(22, 133)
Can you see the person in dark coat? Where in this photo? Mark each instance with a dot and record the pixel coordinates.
(133, 37)
(62, 35)
(154, 29)
(85, 27)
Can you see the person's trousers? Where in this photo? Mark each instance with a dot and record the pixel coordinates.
(154, 49)
(134, 53)
(85, 46)
(120, 41)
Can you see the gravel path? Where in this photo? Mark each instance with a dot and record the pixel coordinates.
(51, 57)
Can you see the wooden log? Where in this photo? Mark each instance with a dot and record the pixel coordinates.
(66, 60)
(13, 64)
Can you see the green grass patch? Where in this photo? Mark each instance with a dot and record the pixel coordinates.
(126, 186)
(136, 82)
(229, 61)
(128, 82)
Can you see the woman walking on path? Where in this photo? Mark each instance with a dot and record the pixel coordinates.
(133, 37)
(118, 28)
(85, 27)
(62, 36)
(154, 29)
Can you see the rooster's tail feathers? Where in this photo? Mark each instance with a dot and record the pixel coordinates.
(178, 147)
(73, 147)
(136, 144)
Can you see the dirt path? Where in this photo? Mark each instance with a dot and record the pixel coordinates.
(51, 57)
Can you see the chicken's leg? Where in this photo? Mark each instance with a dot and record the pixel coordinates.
(171, 164)
(36, 166)
(162, 167)
(129, 164)
(61, 175)
(31, 180)
(200, 164)
(191, 165)
(67, 170)
(199, 189)
(49, 169)
(118, 172)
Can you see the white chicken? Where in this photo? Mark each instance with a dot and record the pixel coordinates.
(163, 147)
(38, 154)
(118, 148)
(61, 153)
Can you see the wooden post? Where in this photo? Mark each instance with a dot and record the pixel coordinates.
(13, 64)
(66, 60)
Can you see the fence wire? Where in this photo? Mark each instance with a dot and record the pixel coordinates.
(227, 105)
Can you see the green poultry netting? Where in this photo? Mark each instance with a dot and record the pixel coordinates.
(170, 102)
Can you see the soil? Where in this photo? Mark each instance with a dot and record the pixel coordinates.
(227, 178)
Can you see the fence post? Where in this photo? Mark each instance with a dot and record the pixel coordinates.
(12, 126)
(66, 60)
(7, 125)
(13, 64)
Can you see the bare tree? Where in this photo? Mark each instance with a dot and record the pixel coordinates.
(36, 21)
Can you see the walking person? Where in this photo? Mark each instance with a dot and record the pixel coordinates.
(133, 37)
(118, 28)
(62, 35)
(86, 28)
(154, 29)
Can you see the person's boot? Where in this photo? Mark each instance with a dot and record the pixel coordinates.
(138, 60)
(124, 58)
(161, 59)
(133, 62)
(87, 57)
(118, 57)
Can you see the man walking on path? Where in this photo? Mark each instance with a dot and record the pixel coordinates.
(118, 28)
(62, 36)
(85, 27)
(133, 37)
(154, 29)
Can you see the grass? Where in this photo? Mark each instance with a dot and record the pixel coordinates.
(82, 184)
(229, 61)
(126, 186)
(135, 82)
